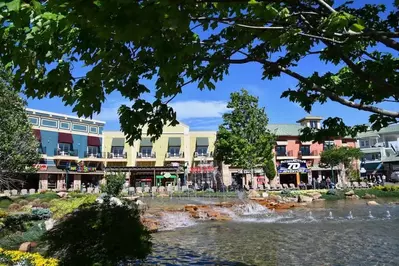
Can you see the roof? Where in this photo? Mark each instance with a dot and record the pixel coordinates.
(63, 115)
(311, 117)
(385, 130)
(285, 129)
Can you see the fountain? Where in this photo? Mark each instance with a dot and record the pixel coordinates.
(310, 215)
(330, 216)
(370, 215)
(388, 215)
(350, 216)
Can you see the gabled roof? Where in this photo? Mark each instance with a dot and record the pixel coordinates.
(285, 129)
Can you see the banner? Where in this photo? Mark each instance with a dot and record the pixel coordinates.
(41, 167)
(202, 169)
(292, 166)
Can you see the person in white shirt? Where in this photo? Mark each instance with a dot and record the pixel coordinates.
(383, 179)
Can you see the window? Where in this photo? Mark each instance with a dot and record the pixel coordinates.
(93, 130)
(65, 125)
(281, 150)
(64, 147)
(92, 150)
(146, 151)
(100, 130)
(202, 150)
(375, 156)
(77, 127)
(49, 123)
(313, 124)
(34, 120)
(328, 144)
(117, 150)
(305, 150)
(174, 151)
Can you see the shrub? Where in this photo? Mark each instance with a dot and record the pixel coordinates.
(99, 234)
(61, 207)
(5, 202)
(32, 233)
(47, 196)
(17, 222)
(13, 257)
(114, 184)
(14, 207)
(23, 202)
(3, 214)
(41, 214)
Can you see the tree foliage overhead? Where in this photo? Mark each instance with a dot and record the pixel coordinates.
(122, 43)
(243, 139)
(18, 146)
(339, 155)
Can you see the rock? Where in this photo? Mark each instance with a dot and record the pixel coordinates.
(352, 197)
(49, 224)
(25, 247)
(314, 195)
(319, 199)
(350, 193)
(303, 198)
(372, 203)
(276, 198)
(151, 225)
(253, 194)
(265, 195)
(190, 207)
(212, 213)
(62, 194)
(369, 196)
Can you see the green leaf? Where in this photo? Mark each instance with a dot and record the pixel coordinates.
(14, 5)
(357, 27)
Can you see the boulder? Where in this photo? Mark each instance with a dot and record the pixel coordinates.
(369, 196)
(49, 224)
(265, 195)
(253, 194)
(350, 193)
(314, 195)
(372, 203)
(25, 247)
(151, 225)
(190, 207)
(303, 198)
(352, 197)
(62, 194)
(274, 197)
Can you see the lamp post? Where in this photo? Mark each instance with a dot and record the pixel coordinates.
(67, 167)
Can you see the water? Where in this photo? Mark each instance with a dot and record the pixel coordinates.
(298, 237)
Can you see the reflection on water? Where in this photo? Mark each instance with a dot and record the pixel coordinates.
(338, 233)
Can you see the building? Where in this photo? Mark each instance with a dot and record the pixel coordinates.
(381, 151)
(70, 148)
(295, 160)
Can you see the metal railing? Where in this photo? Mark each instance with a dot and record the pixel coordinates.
(146, 155)
(175, 155)
(111, 155)
(93, 155)
(59, 152)
(42, 150)
(207, 154)
(284, 153)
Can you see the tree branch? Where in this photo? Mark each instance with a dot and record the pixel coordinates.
(322, 3)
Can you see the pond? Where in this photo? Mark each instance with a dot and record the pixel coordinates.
(327, 233)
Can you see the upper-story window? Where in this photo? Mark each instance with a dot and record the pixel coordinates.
(117, 150)
(92, 150)
(34, 120)
(65, 125)
(174, 151)
(313, 124)
(49, 123)
(202, 146)
(146, 151)
(328, 144)
(305, 150)
(281, 150)
(64, 147)
(202, 150)
(78, 127)
(93, 130)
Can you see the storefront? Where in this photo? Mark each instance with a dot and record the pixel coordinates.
(293, 172)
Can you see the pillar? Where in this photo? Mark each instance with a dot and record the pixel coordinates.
(298, 179)
(43, 181)
(77, 182)
(60, 181)
(226, 174)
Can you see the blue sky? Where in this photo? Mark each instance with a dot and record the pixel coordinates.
(202, 110)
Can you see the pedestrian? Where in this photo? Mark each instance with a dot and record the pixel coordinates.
(328, 182)
(383, 179)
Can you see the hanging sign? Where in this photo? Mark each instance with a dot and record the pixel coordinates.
(41, 167)
(292, 166)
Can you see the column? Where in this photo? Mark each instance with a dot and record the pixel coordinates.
(298, 179)
(60, 181)
(226, 174)
(77, 182)
(43, 181)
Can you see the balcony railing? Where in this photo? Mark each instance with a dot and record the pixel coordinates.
(59, 152)
(146, 155)
(207, 154)
(41, 150)
(284, 153)
(93, 155)
(308, 153)
(112, 155)
(175, 155)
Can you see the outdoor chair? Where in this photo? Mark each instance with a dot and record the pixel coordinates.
(355, 185)
(84, 190)
(24, 191)
(130, 190)
(96, 190)
(273, 187)
(14, 192)
(139, 190)
(279, 187)
(7, 193)
(90, 190)
(267, 186)
(285, 186)
(154, 189)
(363, 185)
(184, 188)
(292, 186)
(175, 188)
(161, 189)
(70, 189)
(32, 191)
(146, 189)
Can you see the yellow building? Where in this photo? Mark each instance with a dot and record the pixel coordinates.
(176, 156)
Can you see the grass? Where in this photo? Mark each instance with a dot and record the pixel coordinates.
(45, 197)
(5, 202)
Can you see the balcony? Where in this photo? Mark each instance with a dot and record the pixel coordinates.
(65, 154)
(208, 156)
(146, 157)
(93, 157)
(309, 154)
(174, 156)
(285, 155)
(116, 157)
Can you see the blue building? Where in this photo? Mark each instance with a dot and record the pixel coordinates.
(71, 150)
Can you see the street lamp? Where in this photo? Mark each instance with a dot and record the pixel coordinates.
(67, 168)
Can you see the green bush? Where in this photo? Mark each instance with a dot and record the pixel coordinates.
(41, 214)
(99, 234)
(14, 207)
(114, 184)
(44, 197)
(61, 207)
(17, 222)
(13, 240)
(5, 202)
(23, 202)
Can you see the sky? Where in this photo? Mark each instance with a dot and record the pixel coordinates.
(202, 110)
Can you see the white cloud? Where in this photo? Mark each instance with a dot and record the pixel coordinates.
(199, 109)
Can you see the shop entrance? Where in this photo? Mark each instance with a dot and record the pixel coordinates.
(288, 179)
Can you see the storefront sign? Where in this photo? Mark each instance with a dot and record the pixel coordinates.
(202, 169)
(82, 169)
(40, 167)
(292, 166)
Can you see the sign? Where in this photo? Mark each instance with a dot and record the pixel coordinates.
(292, 166)
(202, 169)
(81, 168)
(41, 167)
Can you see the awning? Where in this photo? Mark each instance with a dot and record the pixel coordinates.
(37, 134)
(202, 142)
(159, 176)
(93, 141)
(174, 142)
(145, 142)
(118, 142)
(65, 138)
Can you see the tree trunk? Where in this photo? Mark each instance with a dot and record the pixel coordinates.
(252, 178)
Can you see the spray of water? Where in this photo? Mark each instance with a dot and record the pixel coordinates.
(388, 215)
(370, 215)
(171, 221)
(350, 216)
(330, 216)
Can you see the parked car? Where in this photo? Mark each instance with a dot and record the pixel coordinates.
(394, 177)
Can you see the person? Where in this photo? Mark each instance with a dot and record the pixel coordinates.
(302, 185)
(328, 182)
(319, 182)
(383, 179)
(379, 180)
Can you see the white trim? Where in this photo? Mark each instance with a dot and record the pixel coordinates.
(73, 129)
(67, 131)
(36, 117)
(51, 120)
(282, 143)
(69, 123)
(96, 128)
(35, 111)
